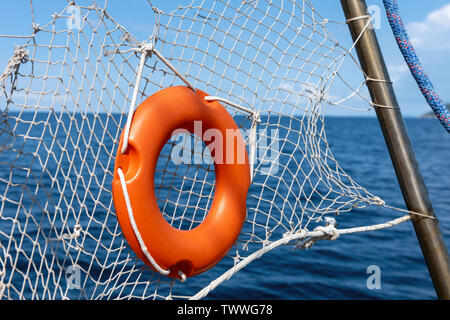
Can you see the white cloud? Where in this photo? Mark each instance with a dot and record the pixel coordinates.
(398, 71)
(434, 32)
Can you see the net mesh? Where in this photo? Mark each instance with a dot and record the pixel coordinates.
(65, 95)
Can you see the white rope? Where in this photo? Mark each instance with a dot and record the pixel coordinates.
(380, 202)
(255, 118)
(5, 256)
(171, 67)
(144, 52)
(369, 21)
(135, 228)
(368, 79)
(329, 232)
(145, 49)
(376, 227)
(20, 56)
(319, 233)
(411, 212)
(77, 229)
(237, 106)
(16, 36)
(67, 238)
(366, 16)
(253, 143)
(376, 105)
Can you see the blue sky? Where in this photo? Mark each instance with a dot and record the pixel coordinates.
(428, 24)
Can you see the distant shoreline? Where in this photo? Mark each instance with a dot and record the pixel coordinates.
(430, 115)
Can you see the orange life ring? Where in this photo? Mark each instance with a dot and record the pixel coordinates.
(189, 251)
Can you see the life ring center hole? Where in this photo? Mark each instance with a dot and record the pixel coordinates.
(184, 181)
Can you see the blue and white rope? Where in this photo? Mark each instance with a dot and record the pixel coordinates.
(417, 71)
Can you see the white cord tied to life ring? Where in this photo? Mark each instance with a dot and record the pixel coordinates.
(138, 234)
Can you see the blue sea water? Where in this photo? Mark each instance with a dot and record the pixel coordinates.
(338, 270)
(329, 270)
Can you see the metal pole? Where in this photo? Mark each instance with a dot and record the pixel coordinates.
(402, 155)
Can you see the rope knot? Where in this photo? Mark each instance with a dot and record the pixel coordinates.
(255, 117)
(146, 47)
(20, 56)
(77, 229)
(328, 232)
(36, 27)
(379, 202)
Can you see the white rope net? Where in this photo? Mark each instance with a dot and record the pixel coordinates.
(65, 96)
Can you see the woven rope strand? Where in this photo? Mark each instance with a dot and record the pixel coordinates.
(414, 65)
